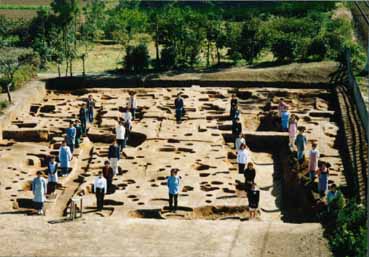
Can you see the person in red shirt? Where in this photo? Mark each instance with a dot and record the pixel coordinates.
(108, 174)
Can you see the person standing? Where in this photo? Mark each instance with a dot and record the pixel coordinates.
(335, 199)
(39, 192)
(100, 187)
(108, 174)
(120, 132)
(254, 197)
(127, 116)
(236, 129)
(179, 105)
(65, 156)
(292, 129)
(234, 103)
(52, 175)
(242, 158)
(132, 104)
(300, 143)
(71, 133)
(173, 182)
(250, 175)
(236, 114)
(323, 174)
(281, 106)
(313, 161)
(285, 117)
(79, 132)
(83, 116)
(239, 141)
(114, 156)
(90, 108)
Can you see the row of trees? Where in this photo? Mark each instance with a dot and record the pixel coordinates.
(185, 36)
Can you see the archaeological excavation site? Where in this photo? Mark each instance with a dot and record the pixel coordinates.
(212, 197)
(201, 147)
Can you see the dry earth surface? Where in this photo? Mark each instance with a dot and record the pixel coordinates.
(200, 147)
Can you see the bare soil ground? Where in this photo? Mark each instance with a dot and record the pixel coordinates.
(211, 187)
(94, 236)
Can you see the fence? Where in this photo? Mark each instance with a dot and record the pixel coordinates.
(356, 94)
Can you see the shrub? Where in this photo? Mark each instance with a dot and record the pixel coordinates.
(23, 75)
(317, 49)
(137, 58)
(349, 235)
(284, 48)
(3, 104)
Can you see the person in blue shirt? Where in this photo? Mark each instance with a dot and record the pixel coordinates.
(179, 104)
(300, 143)
(39, 192)
(285, 118)
(173, 182)
(65, 156)
(52, 175)
(70, 138)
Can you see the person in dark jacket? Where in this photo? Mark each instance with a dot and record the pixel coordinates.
(179, 104)
(236, 114)
(250, 174)
(79, 132)
(83, 115)
(236, 129)
(234, 103)
(90, 108)
(253, 197)
(108, 174)
(114, 156)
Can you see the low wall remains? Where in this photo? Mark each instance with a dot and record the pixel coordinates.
(32, 92)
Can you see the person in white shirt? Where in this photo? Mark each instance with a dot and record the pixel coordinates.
(127, 116)
(239, 141)
(120, 132)
(100, 187)
(313, 161)
(242, 158)
(132, 104)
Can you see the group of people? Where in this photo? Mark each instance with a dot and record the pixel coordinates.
(103, 182)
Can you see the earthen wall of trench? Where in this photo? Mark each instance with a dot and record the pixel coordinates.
(32, 92)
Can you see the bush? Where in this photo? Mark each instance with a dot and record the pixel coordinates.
(284, 48)
(23, 75)
(3, 104)
(317, 49)
(137, 58)
(349, 235)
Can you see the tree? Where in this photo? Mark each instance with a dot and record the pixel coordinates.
(251, 41)
(11, 59)
(67, 12)
(95, 19)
